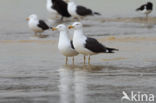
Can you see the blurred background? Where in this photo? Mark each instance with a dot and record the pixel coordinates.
(14, 12)
(109, 8)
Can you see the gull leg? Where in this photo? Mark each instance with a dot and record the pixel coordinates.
(79, 19)
(66, 60)
(84, 59)
(74, 18)
(62, 18)
(89, 60)
(35, 34)
(147, 18)
(41, 36)
(73, 60)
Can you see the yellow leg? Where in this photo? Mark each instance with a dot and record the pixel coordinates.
(66, 60)
(79, 19)
(147, 18)
(89, 60)
(40, 35)
(73, 60)
(84, 59)
(35, 34)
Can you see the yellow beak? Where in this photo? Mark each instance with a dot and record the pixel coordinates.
(54, 29)
(70, 27)
(27, 19)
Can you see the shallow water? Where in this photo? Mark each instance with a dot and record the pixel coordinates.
(33, 71)
(71, 85)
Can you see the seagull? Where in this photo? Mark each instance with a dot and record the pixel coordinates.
(65, 45)
(61, 7)
(86, 45)
(38, 26)
(78, 11)
(146, 8)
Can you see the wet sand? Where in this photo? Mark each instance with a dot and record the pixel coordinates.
(33, 71)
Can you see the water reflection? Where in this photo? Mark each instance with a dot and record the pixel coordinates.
(80, 84)
(73, 85)
(65, 87)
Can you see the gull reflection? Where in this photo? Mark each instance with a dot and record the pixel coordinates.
(73, 83)
(65, 87)
(80, 86)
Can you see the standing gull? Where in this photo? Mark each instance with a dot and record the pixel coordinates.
(86, 45)
(38, 26)
(78, 11)
(65, 45)
(146, 8)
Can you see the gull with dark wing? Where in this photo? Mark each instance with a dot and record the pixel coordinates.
(38, 26)
(78, 11)
(86, 45)
(146, 8)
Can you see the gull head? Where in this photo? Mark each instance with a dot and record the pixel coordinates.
(32, 17)
(60, 27)
(76, 26)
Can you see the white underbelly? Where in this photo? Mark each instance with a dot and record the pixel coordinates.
(82, 50)
(146, 11)
(35, 28)
(67, 51)
(72, 12)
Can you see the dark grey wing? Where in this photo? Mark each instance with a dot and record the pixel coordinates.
(43, 25)
(71, 42)
(61, 7)
(83, 11)
(94, 46)
(142, 7)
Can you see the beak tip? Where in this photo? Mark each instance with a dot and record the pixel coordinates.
(54, 29)
(27, 19)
